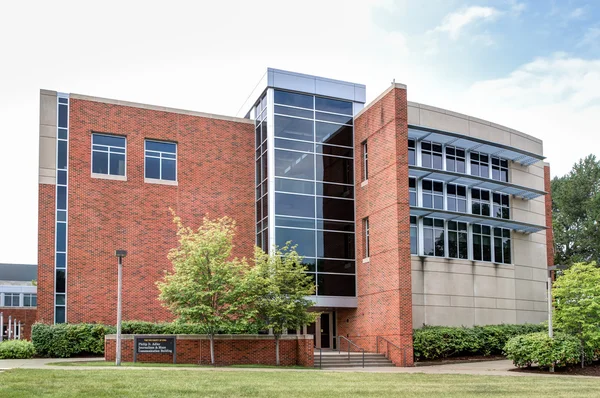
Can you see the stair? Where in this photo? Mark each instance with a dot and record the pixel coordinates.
(334, 359)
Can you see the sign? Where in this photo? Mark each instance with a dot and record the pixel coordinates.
(155, 345)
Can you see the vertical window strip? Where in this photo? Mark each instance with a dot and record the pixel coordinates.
(61, 230)
(367, 237)
(365, 161)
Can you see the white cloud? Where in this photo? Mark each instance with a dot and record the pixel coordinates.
(591, 38)
(577, 13)
(517, 8)
(455, 22)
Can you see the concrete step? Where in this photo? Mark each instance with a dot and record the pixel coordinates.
(337, 360)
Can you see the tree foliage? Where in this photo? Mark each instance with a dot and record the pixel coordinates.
(576, 213)
(280, 287)
(577, 305)
(206, 286)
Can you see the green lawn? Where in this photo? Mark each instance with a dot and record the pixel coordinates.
(165, 365)
(177, 383)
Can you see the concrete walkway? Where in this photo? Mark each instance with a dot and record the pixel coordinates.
(487, 368)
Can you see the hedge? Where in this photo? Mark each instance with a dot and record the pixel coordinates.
(542, 350)
(67, 340)
(16, 349)
(434, 342)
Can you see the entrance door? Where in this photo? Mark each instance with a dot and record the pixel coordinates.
(325, 330)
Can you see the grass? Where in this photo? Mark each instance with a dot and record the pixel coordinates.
(164, 365)
(161, 383)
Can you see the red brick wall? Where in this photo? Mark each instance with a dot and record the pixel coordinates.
(215, 168)
(45, 287)
(228, 351)
(384, 283)
(548, 205)
(27, 317)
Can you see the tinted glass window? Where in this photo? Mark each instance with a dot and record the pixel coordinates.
(305, 240)
(335, 134)
(331, 105)
(335, 209)
(294, 164)
(298, 129)
(333, 169)
(335, 245)
(293, 99)
(336, 285)
(294, 205)
(294, 186)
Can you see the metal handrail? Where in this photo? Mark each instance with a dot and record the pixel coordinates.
(320, 358)
(354, 344)
(394, 345)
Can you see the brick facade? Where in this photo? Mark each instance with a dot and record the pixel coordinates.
(215, 172)
(229, 350)
(384, 280)
(26, 316)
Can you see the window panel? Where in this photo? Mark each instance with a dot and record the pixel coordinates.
(60, 316)
(293, 99)
(63, 115)
(412, 191)
(294, 145)
(61, 237)
(413, 235)
(335, 225)
(294, 164)
(332, 169)
(161, 162)
(457, 198)
(333, 134)
(61, 162)
(335, 190)
(335, 245)
(457, 240)
(335, 209)
(295, 205)
(294, 222)
(332, 105)
(336, 285)
(305, 239)
(294, 186)
(433, 233)
(335, 150)
(284, 110)
(336, 266)
(431, 155)
(61, 281)
(501, 205)
(153, 168)
(480, 164)
(328, 117)
(480, 202)
(455, 159)
(433, 194)
(298, 129)
(412, 160)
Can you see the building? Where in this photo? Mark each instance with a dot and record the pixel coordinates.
(406, 214)
(18, 299)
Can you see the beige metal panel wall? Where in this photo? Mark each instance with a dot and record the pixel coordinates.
(48, 117)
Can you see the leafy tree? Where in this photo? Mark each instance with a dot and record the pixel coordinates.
(577, 305)
(206, 286)
(576, 213)
(281, 286)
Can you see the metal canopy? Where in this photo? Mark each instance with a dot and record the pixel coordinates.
(475, 144)
(518, 226)
(475, 182)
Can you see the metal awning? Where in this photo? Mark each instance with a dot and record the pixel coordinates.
(474, 144)
(518, 226)
(475, 182)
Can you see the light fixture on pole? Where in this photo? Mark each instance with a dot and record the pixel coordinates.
(120, 254)
(549, 298)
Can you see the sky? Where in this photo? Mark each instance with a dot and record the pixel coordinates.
(532, 65)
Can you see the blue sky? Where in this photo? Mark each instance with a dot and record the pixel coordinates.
(530, 65)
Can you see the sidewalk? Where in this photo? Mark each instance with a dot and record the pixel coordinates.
(487, 368)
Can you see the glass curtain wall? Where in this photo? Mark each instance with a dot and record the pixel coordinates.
(313, 185)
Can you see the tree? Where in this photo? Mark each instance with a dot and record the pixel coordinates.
(281, 286)
(206, 286)
(576, 213)
(577, 305)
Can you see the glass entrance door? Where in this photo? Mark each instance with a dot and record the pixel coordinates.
(325, 330)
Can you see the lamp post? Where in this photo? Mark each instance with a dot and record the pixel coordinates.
(120, 254)
(550, 306)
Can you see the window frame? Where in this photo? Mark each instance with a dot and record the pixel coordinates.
(433, 193)
(107, 175)
(432, 153)
(160, 158)
(367, 238)
(435, 229)
(365, 159)
(499, 168)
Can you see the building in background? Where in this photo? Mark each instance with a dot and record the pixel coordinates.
(406, 214)
(18, 299)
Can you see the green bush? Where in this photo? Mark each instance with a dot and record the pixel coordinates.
(67, 340)
(16, 349)
(539, 349)
(433, 342)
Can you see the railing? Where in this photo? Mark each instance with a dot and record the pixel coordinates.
(354, 344)
(387, 349)
(320, 358)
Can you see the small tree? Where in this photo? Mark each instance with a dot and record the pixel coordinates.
(577, 302)
(206, 286)
(281, 286)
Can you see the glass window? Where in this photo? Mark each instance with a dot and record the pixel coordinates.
(336, 266)
(11, 299)
(61, 161)
(501, 205)
(334, 150)
(335, 225)
(29, 300)
(335, 245)
(457, 197)
(431, 155)
(499, 169)
(455, 159)
(366, 237)
(108, 154)
(294, 186)
(482, 242)
(433, 237)
(412, 191)
(458, 240)
(412, 153)
(336, 285)
(433, 194)
(335, 190)
(59, 315)
(332, 105)
(294, 205)
(294, 145)
(365, 161)
(304, 238)
(293, 99)
(335, 209)
(328, 117)
(502, 252)
(480, 202)
(413, 235)
(480, 164)
(284, 110)
(334, 134)
(161, 160)
(297, 129)
(294, 164)
(334, 169)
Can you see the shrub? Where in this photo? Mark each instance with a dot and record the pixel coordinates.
(16, 349)
(67, 340)
(540, 349)
(433, 342)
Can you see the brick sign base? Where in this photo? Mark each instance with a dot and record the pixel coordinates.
(229, 350)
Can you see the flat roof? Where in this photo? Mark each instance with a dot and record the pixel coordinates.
(18, 272)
